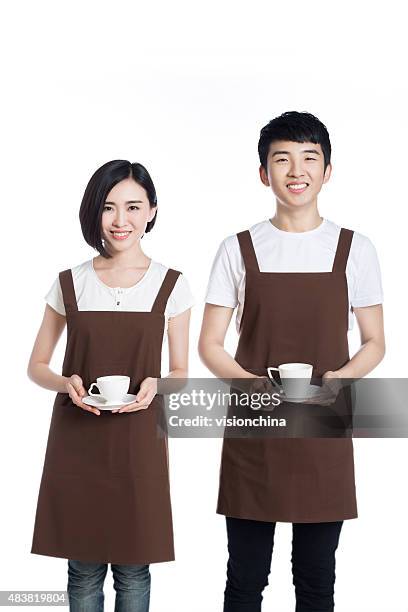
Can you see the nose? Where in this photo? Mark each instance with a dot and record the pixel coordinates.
(296, 169)
(120, 218)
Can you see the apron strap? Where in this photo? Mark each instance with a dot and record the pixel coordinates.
(68, 291)
(164, 292)
(248, 251)
(342, 251)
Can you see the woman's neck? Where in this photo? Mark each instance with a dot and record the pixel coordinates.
(132, 258)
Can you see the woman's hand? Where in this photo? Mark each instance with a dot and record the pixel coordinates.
(75, 389)
(147, 391)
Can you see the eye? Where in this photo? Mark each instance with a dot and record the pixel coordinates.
(107, 207)
(134, 207)
(312, 158)
(281, 159)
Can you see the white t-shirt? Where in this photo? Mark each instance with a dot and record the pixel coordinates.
(280, 251)
(92, 294)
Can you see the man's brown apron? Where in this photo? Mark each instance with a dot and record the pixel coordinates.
(291, 317)
(105, 493)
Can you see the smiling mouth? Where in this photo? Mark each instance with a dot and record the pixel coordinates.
(120, 235)
(297, 187)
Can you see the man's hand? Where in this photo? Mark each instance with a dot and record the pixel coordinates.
(329, 390)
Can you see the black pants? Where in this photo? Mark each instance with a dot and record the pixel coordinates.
(250, 545)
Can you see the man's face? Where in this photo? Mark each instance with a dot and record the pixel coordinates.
(295, 172)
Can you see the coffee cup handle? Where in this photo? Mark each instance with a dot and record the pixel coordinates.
(90, 389)
(271, 378)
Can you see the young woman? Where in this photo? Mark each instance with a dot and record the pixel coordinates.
(104, 494)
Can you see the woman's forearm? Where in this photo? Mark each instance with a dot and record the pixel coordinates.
(364, 361)
(41, 374)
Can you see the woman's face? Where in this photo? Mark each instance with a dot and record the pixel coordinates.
(125, 215)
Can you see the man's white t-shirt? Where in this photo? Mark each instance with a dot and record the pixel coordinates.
(280, 251)
(92, 294)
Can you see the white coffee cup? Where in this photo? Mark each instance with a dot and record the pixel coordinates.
(295, 378)
(112, 388)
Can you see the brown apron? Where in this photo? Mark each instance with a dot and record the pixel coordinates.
(105, 493)
(291, 317)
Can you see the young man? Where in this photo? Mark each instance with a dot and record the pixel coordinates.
(296, 279)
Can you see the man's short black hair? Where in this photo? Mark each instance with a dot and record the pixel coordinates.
(297, 127)
(100, 184)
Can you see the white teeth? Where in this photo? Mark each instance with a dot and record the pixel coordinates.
(120, 233)
(297, 187)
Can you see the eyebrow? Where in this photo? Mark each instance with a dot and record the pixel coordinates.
(128, 202)
(315, 151)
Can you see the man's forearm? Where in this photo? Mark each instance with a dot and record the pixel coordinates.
(364, 361)
(221, 363)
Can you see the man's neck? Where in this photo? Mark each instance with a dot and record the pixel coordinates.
(296, 220)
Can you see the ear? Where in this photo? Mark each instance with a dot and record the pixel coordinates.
(153, 212)
(263, 176)
(327, 173)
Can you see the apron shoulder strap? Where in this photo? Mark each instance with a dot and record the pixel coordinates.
(165, 290)
(343, 249)
(68, 291)
(247, 250)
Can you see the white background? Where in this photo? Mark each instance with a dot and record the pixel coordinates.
(184, 88)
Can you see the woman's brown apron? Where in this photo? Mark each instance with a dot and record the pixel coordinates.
(291, 317)
(105, 493)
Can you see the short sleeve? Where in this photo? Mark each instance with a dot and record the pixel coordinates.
(222, 287)
(367, 286)
(54, 297)
(180, 298)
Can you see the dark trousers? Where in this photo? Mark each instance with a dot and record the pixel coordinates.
(250, 545)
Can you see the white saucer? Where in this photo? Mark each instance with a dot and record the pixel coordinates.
(312, 391)
(102, 404)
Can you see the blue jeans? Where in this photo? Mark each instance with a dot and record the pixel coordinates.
(85, 587)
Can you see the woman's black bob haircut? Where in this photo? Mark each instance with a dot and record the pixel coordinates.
(297, 127)
(100, 184)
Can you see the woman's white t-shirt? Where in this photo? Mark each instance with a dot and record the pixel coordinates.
(92, 294)
(280, 251)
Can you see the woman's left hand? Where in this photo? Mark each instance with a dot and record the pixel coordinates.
(144, 397)
(331, 385)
